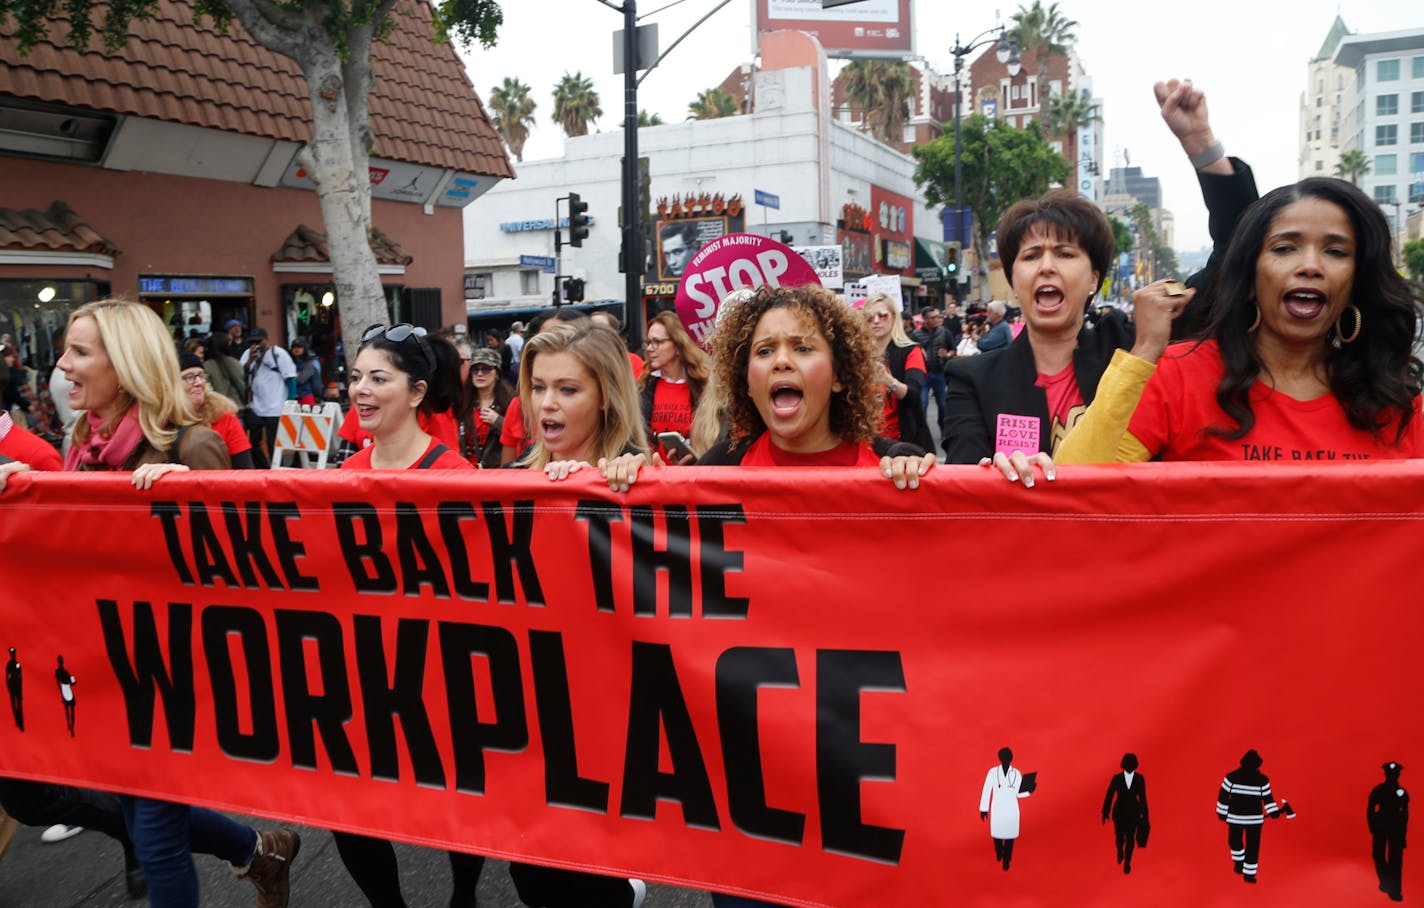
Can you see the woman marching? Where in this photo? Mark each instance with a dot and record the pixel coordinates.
(674, 378)
(216, 411)
(902, 373)
(484, 399)
(399, 375)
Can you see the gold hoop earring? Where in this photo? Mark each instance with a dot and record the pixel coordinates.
(1257, 323)
(1359, 323)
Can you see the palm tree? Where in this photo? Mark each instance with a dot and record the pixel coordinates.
(1072, 111)
(513, 113)
(712, 104)
(647, 119)
(1353, 165)
(576, 104)
(885, 91)
(1043, 32)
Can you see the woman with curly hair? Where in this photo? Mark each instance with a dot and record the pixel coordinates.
(1307, 355)
(798, 373)
(673, 380)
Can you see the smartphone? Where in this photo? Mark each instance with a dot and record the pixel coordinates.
(677, 446)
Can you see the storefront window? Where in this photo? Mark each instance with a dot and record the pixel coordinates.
(196, 305)
(34, 312)
(313, 313)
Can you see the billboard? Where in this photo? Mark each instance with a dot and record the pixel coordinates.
(870, 28)
(677, 241)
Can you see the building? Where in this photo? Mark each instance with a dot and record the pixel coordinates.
(1018, 100)
(1126, 188)
(830, 184)
(1383, 107)
(1320, 107)
(168, 172)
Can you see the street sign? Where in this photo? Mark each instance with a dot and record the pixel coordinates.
(546, 262)
(767, 199)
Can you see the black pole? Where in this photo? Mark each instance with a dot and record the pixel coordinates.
(958, 166)
(632, 226)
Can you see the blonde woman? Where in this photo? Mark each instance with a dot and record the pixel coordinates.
(674, 378)
(901, 374)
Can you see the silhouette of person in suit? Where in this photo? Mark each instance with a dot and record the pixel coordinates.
(1388, 816)
(1126, 804)
(15, 681)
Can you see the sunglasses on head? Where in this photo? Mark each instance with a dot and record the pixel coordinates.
(397, 334)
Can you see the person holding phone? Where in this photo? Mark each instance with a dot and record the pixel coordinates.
(673, 380)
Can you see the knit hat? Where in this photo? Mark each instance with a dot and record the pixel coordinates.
(188, 361)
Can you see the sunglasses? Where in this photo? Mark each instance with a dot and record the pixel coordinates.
(877, 316)
(401, 333)
(482, 368)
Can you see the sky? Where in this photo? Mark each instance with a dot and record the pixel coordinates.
(1250, 58)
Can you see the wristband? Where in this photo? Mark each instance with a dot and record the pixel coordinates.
(1207, 158)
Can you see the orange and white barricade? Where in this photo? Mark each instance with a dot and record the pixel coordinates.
(308, 431)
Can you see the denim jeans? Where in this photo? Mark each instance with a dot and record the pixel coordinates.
(165, 836)
(934, 381)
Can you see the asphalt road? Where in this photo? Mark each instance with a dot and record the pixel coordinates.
(88, 870)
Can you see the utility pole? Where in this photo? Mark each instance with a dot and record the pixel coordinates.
(633, 257)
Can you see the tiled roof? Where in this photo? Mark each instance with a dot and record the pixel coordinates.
(308, 245)
(424, 109)
(57, 230)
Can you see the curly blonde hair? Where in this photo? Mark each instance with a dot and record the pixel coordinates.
(855, 409)
(144, 359)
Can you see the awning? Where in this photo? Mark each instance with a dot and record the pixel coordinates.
(929, 260)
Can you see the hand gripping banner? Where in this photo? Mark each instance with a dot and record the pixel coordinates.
(800, 685)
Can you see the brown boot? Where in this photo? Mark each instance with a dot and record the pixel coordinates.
(271, 867)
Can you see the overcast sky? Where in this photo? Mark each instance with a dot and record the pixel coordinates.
(1250, 57)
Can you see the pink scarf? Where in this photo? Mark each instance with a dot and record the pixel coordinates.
(6, 424)
(100, 453)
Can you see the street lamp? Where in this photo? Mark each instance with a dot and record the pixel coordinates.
(1006, 52)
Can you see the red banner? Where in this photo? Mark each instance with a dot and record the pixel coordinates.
(789, 684)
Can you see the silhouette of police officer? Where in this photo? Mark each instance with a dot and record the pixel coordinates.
(1126, 803)
(1388, 816)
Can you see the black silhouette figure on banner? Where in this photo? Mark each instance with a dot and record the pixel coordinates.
(1243, 804)
(66, 683)
(1126, 803)
(1388, 815)
(1000, 804)
(15, 681)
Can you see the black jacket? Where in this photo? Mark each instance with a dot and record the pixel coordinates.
(1002, 381)
(913, 428)
(1226, 198)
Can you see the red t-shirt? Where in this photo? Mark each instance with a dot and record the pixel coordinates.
(512, 435)
(890, 409)
(636, 362)
(763, 453)
(1179, 405)
(28, 448)
(233, 435)
(441, 426)
(449, 459)
(1065, 403)
(672, 411)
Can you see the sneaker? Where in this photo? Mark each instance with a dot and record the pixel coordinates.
(640, 892)
(59, 832)
(271, 867)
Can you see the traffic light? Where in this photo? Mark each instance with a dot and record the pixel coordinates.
(573, 289)
(578, 219)
(951, 259)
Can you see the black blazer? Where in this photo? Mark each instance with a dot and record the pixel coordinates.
(913, 428)
(1226, 198)
(981, 387)
(1130, 807)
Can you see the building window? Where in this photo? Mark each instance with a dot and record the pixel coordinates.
(1387, 135)
(1416, 133)
(1384, 193)
(1416, 102)
(1386, 105)
(1416, 192)
(1386, 165)
(528, 282)
(1387, 71)
(1416, 164)
(1416, 68)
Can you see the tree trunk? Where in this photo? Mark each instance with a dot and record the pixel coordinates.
(337, 156)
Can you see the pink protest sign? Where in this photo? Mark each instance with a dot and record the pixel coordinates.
(736, 261)
(1016, 433)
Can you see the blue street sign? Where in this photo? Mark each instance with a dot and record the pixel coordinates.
(767, 199)
(545, 262)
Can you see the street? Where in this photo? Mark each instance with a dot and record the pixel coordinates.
(88, 870)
